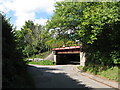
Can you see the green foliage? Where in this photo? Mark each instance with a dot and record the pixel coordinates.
(32, 38)
(12, 60)
(95, 17)
(63, 24)
(43, 62)
(100, 24)
(115, 57)
(70, 43)
(54, 43)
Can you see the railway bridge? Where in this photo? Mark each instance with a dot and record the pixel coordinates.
(67, 54)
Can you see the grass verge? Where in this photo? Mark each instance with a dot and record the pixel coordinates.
(43, 62)
(112, 73)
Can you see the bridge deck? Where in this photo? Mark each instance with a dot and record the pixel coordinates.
(66, 48)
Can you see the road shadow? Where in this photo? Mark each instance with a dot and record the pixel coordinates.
(45, 77)
(69, 63)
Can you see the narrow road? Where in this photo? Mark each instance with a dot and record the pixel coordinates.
(61, 76)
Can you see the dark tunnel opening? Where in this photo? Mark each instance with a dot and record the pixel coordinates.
(64, 59)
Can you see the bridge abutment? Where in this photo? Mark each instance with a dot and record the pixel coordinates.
(82, 59)
(55, 58)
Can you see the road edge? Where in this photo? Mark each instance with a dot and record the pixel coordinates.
(98, 79)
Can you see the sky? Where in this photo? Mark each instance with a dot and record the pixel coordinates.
(19, 11)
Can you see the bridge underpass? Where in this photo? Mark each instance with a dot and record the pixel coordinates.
(68, 59)
(69, 55)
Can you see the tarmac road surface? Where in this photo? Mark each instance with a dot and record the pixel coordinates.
(62, 76)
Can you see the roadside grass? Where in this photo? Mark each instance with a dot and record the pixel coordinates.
(112, 73)
(43, 62)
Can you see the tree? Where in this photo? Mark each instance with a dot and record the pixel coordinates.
(100, 32)
(95, 24)
(32, 38)
(13, 65)
(63, 24)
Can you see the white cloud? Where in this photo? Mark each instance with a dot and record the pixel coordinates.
(25, 9)
(4, 5)
(40, 21)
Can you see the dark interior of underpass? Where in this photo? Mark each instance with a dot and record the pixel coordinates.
(68, 59)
